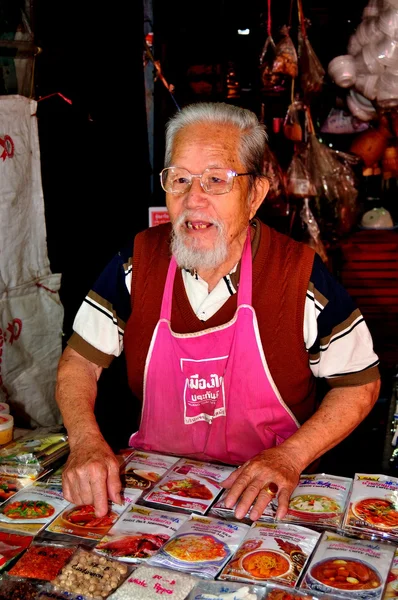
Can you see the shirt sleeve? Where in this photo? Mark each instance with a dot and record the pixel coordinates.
(98, 327)
(336, 336)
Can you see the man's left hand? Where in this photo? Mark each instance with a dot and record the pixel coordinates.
(248, 484)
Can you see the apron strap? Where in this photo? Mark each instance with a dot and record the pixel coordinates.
(245, 283)
(165, 311)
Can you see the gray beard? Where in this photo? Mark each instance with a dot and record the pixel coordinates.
(193, 257)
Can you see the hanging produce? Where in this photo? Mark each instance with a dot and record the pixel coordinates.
(291, 126)
(286, 61)
(311, 71)
(273, 81)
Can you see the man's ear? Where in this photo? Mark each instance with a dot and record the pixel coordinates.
(259, 192)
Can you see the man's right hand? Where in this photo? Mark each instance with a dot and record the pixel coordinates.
(91, 475)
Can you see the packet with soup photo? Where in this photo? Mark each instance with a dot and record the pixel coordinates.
(391, 590)
(271, 551)
(373, 506)
(319, 500)
(201, 546)
(350, 567)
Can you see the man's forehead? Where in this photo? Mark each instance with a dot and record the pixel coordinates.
(222, 141)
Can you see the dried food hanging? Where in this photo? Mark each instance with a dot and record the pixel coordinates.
(286, 60)
(272, 81)
(311, 71)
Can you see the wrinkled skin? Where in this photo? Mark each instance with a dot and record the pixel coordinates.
(246, 484)
(91, 475)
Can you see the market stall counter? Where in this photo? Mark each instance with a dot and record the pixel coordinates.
(174, 537)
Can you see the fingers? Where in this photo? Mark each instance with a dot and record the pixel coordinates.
(257, 482)
(283, 503)
(256, 495)
(114, 485)
(263, 499)
(237, 487)
(87, 485)
(89, 479)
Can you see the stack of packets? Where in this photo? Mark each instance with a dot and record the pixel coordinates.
(373, 507)
(30, 458)
(189, 485)
(319, 500)
(272, 551)
(349, 567)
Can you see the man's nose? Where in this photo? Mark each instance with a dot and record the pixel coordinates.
(196, 196)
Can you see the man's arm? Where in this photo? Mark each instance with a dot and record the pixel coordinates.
(340, 412)
(91, 474)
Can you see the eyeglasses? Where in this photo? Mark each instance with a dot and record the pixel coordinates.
(176, 180)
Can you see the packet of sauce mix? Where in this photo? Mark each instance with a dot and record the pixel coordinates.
(32, 508)
(319, 500)
(11, 545)
(276, 551)
(348, 566)
(391, 590)
(373, 506)
(222, 590)
(139, 533)
(79, 520)
(190, 485)
(151, 583)
(42, 561)
(201, 546)
(219, 509)
(143, 469)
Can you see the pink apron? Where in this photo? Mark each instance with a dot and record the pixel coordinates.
(210, 395)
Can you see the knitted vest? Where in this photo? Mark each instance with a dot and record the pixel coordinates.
(281, 272)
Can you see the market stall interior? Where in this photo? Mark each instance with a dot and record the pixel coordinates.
(84, 96)
(319, 74)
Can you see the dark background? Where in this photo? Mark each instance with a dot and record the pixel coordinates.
(95, 153)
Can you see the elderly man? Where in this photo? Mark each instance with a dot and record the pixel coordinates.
(225, 325)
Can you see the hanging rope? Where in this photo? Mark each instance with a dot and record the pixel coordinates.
(269, 28)
(159, 73)
(301, 18)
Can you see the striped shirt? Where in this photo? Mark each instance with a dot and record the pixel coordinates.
(336, 337)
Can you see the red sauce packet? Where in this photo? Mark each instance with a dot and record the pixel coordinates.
(42, 561)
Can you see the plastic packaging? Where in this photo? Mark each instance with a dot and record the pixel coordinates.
(285, 55)
(42, 561)
(91, 575)
(222, 590)
(291, 126)
(4, 407)
(272, 81)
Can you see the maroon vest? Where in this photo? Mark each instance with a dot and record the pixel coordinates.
(281, 272)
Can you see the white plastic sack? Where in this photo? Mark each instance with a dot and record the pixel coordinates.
(31, 313)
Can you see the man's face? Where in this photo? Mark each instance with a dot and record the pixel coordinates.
(209, 228)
